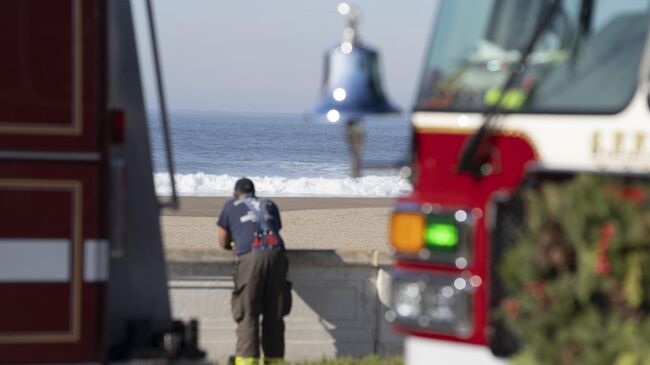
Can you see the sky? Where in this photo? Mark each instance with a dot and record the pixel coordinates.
(267, 55)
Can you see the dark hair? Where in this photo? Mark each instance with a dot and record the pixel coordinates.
(244, 186)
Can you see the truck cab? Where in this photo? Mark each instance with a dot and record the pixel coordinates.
(509, 89)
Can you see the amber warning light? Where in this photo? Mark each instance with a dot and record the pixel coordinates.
(411, 232)
(406, 232)
(443, 237)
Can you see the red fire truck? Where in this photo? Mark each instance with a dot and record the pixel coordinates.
(82, 272)
(510, 89)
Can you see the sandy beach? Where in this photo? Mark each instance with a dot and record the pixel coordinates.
(308, 223)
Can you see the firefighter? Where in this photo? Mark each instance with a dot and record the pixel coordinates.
(250, 226)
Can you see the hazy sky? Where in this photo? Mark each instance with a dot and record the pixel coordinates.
(267, 55)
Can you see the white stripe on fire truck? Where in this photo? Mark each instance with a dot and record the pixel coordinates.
(25, 260)
(95, 260)
(31, 260)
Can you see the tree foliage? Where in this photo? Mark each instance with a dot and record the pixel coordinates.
(579, 276)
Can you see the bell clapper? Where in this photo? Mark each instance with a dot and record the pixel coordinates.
(354, 134)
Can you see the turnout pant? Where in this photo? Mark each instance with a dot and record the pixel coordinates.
(261, 289)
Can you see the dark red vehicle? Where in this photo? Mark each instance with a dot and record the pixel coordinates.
(82, 275)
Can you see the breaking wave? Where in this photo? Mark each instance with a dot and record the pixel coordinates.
(201, 184)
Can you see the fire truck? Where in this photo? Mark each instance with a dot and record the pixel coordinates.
(82, 271)
(510, 90)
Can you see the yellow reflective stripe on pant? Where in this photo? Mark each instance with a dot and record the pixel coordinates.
(246, 360)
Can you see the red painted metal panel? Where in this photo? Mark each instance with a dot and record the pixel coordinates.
(47, 75)
(18, 213)
(34, 311)
(88, 348)
(38, 85)
(52, 99)
(38, 202)
(438, 182)
(55, 322)
(35, 307)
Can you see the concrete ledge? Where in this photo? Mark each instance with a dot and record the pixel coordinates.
(339, 301)
(209, 255)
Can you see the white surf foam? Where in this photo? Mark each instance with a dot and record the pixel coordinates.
(201, 184)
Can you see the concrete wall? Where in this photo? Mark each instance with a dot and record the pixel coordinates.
(338, 302)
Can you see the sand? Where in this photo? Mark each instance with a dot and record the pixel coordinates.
(308, 223)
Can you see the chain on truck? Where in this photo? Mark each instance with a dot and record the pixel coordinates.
(512, 91)
(82, 271)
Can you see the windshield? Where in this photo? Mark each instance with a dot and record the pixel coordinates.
(587, 59)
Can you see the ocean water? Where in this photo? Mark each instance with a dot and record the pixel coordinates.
(284, 154)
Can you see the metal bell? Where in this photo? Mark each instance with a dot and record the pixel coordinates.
(351, 86)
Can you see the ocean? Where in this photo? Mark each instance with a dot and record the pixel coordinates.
(284, 154)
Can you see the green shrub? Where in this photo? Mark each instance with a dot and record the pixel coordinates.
(579, 277)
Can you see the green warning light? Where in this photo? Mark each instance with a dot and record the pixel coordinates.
(441, 235)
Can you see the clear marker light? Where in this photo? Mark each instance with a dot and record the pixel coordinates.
(346, 47)
(460, 215)
(476, 281)
(408, 300)
(460, 283)
(461, 263)
(343, 8)
(413, 290)
(463, 121)
(447, 292)
(339, 94)
(333, 115)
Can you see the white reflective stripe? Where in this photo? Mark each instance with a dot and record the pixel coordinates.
(422, 351)
(95, 260)
(34, 260)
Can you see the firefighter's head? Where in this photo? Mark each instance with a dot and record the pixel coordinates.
(244, 186)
